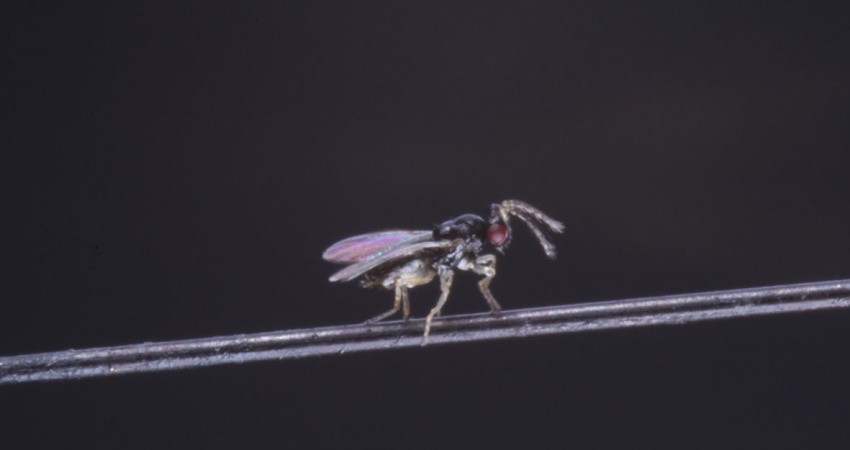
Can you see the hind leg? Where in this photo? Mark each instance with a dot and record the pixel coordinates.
(400, 297)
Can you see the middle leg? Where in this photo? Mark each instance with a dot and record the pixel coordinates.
(486, 265)
(446, 277)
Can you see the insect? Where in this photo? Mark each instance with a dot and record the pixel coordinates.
(401, 259)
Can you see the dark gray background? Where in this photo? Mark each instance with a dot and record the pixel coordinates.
(175, 172)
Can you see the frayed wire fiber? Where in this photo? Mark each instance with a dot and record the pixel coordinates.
(195, 353)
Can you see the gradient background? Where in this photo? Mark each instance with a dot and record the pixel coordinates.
(174, 172)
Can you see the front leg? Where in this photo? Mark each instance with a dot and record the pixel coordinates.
(486, 265)
(446, 277)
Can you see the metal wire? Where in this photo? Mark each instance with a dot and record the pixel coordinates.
(187, 354)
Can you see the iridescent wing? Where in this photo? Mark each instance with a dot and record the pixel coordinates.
(373, 245)
(359, 268)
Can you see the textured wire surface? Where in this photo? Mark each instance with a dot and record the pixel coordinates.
(186, 354)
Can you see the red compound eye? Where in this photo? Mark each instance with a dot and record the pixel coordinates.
(497, 234)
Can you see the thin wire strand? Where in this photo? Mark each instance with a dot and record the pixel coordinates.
(293, 344)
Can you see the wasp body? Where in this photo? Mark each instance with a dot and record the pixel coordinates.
(402, 259)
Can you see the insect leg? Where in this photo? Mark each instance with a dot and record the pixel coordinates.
(486, 265)
(446, 276)
(400, 293)
(405, 301)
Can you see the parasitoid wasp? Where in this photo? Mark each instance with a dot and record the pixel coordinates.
(402, 259)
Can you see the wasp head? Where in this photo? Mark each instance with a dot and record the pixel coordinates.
(499, 230)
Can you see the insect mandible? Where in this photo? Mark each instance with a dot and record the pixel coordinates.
(401, 259)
